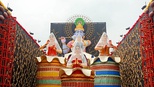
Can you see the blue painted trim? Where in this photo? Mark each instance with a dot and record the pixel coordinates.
(107, 73)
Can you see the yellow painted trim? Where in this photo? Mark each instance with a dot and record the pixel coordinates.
(45, 85)
(148, 5)
(4, 7)
(45, 73)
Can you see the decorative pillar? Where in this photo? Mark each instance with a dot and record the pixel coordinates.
(77, 77)
(106, 72)
(48, 71)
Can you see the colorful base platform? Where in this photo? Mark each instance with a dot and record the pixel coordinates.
(77, 79)
(106, 73)
(48, 72)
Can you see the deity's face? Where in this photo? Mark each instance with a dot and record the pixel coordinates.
(52, 38)
(77, 50)
(105, 37)
(78, 33)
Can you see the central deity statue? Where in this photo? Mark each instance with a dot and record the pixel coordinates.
(79, 31)
(75, 50)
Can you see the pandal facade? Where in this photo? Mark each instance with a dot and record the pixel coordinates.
(77, 68)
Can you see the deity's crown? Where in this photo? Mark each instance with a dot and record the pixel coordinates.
(79, 22)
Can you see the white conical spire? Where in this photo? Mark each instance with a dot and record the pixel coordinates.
(103, 41)
(77, 52)
(53, 41)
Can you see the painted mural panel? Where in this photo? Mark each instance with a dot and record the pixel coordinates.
(92, 31)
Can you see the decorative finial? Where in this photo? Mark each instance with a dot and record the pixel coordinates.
(79, 22)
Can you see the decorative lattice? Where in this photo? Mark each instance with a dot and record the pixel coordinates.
(7, 37)
(131, 62)
(147, 49)
(25, 68)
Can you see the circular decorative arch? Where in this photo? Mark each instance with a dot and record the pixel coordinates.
(70, 22)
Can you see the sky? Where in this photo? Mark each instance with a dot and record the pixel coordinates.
(36, 15)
